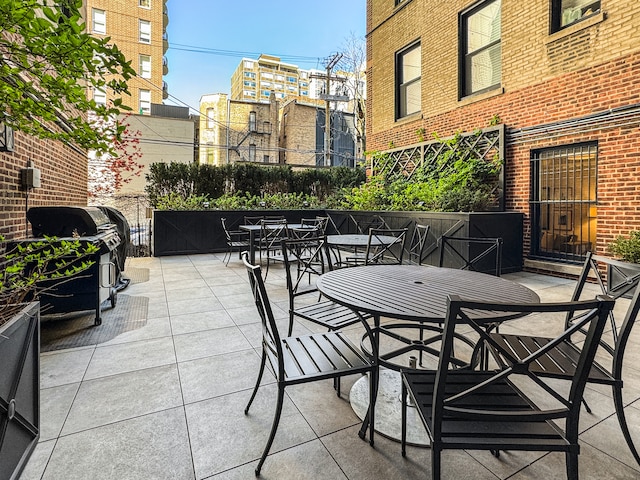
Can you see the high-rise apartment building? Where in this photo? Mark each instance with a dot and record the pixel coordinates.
(138, 28)
(254, 80)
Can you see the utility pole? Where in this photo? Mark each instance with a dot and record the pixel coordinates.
(331, 62)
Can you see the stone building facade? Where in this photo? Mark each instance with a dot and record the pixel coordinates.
(238, 130)
(562, 76)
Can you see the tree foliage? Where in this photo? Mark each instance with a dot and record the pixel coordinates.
(47, 63)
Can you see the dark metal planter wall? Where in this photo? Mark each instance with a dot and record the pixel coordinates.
(200, 231)
(508, 225)
(192, 232)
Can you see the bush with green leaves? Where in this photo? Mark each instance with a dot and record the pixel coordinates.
(627, 248)
(456, 179)
(245, 181)
(32, 268)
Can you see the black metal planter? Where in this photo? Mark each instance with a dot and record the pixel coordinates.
(19, 390)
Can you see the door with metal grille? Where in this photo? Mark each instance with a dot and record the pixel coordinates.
(563, 201)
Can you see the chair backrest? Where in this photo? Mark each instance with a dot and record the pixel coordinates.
(418, 243)
(253, 220)
(590, 315)
(270, 334)
(272, 232)
(385, 245)
(304, 260)
(364, 225)
(616, 279)
(224, 227)
(274, 217)
(471, 253)
(323, 223)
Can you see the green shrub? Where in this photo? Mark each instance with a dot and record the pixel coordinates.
(627, 249)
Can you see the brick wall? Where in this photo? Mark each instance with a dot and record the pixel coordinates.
(122, 21)
(63, 177)
(591, 68)
(298, 134)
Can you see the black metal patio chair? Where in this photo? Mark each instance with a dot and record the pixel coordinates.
(272, 232)
(418, 243)
(384, 246)
(494, 410)
(623, 280)
(237, 241)
(303, 359)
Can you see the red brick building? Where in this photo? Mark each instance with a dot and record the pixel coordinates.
(563, 76)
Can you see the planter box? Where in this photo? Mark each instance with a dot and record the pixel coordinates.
(193, 232)
(19, 390)
(200, 231)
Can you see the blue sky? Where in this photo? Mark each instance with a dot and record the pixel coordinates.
(298, 31)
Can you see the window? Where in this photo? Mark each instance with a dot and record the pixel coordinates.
(145, 101)
(145, 66)
(481, 64)
(252, 152)
(100, 96)
(568, 12)
(249, 74)
(291, 79)
(144, 3)
(266, 93)
(248, 64)
(252, 121)
(210, 117)
(145, 31)
(249, 93)
(249, 83)
(98, 21)
(563, 205)
(408, 81)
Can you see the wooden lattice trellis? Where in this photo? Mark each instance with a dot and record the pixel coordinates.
(487, 143)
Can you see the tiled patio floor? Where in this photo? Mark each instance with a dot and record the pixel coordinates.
(166, 400)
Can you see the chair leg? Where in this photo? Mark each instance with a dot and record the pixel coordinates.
(617, 399)
(290, 331)
(403, 421)
(373, 394)
(572, 465)
(255, 389)
(436, 461)
(227, 257)
(274, 428)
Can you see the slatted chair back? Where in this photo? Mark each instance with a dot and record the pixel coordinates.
(323, 223)
(304, 260)
(270, 335)
(272, 232)
(418, 243)
(382, 250)
(494, 410)
(471, 253)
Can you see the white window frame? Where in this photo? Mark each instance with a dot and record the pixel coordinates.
(144, 3)
(409, 81)
(145, 66)
(144, 101)
(98, 21)
(478, 64)
(99, 96)
(144, 29)
(211, 113)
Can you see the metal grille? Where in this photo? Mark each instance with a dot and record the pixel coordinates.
(563, 202)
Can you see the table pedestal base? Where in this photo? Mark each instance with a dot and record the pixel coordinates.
(388, 409)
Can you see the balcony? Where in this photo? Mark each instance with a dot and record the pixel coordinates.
(165, 65)
(165, 90)
(165, 42)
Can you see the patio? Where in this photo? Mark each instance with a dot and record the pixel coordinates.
(163, 397)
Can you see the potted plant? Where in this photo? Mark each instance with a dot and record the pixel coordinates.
(628, 250)
(26, 270)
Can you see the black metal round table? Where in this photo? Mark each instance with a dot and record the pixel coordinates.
(415, 294)
(358, 240)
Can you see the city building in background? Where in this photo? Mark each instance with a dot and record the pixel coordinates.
(138, 28)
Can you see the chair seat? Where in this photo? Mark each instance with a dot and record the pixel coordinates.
(321, 355)
(470, 430)
(560, 362)
(238, 244)
(328, 313)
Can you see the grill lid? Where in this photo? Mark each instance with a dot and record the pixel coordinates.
(66, 221)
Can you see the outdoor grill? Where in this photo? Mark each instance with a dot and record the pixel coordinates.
(95, 285)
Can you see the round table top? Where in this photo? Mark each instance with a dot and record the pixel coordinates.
(359, 240)
(414, 292)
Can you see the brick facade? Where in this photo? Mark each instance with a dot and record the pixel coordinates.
(63, 173)
(576, 85)
(122, 25)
